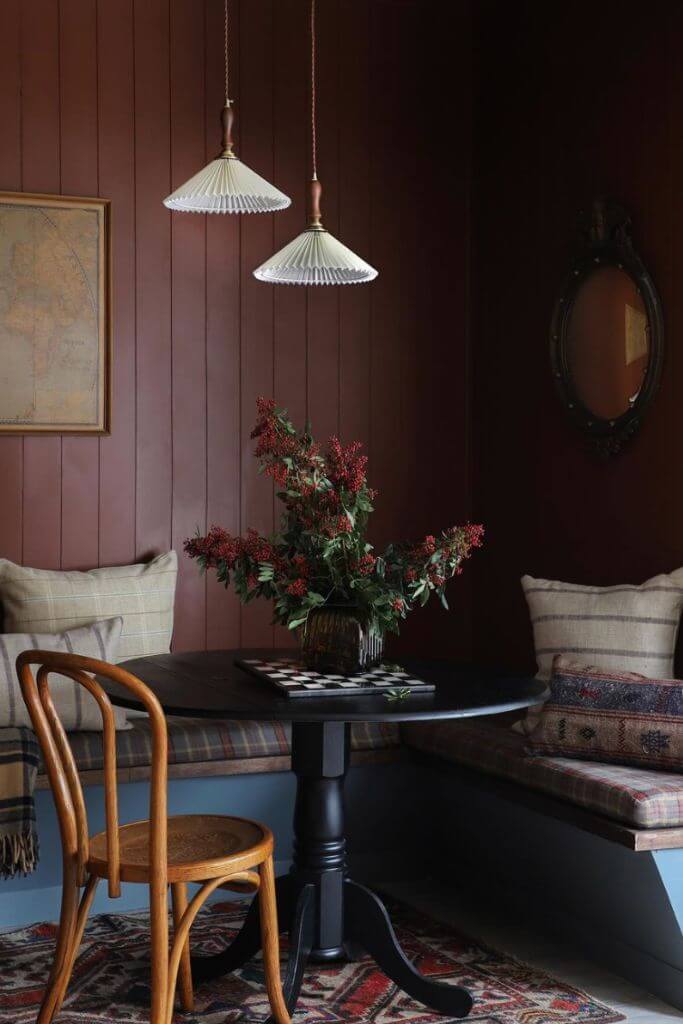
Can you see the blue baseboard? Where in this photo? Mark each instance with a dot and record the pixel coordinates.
(377, 848)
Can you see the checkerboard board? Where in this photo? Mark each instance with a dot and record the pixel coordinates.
(295, 680)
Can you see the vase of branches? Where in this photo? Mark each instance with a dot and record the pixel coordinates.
(318, 569)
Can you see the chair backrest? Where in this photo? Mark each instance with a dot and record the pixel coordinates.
(61, 766)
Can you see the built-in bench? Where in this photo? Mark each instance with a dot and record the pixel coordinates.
(638, 808)
(584, 849)
(563, 843)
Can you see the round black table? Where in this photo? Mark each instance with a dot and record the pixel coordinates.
(327, 914)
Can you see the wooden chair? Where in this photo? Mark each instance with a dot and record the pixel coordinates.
(161, 852)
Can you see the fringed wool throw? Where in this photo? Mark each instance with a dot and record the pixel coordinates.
(18, 768)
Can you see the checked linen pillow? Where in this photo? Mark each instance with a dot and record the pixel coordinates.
(50, 601)
(77, 709)
(618, 718)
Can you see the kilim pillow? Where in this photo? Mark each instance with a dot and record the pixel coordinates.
(623, 628)
(621, 718)
(77, 709)
(48, 601)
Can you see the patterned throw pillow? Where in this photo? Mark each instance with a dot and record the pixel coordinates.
(47, 601)
(620, 718)
(623, 628)
(77, 709)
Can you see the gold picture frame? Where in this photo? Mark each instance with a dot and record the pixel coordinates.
(55, 314)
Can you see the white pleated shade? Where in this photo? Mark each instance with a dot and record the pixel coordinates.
(315, 257)
(226, 185)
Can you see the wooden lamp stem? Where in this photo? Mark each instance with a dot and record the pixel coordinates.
(227, 120)
(314, 219)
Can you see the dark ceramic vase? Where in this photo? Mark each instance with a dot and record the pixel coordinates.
(336, 639)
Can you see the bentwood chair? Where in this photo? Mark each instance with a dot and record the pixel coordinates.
(161, 852)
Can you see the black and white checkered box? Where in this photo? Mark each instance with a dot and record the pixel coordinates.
(294, 679)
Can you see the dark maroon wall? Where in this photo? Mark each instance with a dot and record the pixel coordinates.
(574, 101)
(121, 99)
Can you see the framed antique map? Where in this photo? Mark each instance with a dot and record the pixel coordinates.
(55, 315)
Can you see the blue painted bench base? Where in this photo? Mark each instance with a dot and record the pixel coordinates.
(378, 846)
(623, 909)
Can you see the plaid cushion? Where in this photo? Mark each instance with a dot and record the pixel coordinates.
(204, 739)
(635, 796)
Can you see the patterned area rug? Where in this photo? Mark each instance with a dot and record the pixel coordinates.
(110, 979)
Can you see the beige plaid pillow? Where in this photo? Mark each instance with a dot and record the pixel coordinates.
(77, 709)
(50, 601)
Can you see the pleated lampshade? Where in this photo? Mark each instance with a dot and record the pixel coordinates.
(315, 256)
(226, 185)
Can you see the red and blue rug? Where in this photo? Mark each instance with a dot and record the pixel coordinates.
(110, 981)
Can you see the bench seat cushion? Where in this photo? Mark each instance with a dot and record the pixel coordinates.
(192, 740)
(638, 797)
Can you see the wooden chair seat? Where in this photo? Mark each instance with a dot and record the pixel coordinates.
(200, 846)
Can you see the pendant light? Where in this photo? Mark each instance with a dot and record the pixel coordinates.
(226, 185)
(315, 256)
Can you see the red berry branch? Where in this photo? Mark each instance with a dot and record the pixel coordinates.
(320, 554)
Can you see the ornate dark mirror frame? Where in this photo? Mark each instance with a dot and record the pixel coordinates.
(607, 242)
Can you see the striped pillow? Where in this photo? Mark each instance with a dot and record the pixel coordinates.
(47, 601)
(77, 709)
(621, 628)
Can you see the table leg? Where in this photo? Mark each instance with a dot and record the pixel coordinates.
(247, 942)
(328, 916)
(366, 920)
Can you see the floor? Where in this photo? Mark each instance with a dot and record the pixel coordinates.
(509, 935)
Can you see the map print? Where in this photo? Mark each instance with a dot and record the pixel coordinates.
(51, 335)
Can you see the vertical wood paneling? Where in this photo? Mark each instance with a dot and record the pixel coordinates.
(123, 99)
(116, 124)
(188, 321)
(573, 517)
(78, 50)
(255, 111)
(354, 217)
(42, 513)
(11, 448)
(291, 172)
(323, 301)
(388, 251)
(153, 277)
(223, 312)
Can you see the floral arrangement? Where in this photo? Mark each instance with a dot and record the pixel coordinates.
(320, 555)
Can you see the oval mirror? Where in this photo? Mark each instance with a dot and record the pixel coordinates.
(606, 336)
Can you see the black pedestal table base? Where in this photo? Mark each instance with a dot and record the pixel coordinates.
(327, 915)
